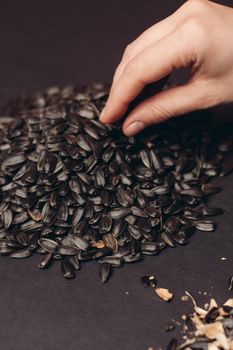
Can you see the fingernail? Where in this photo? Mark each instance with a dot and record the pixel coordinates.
(134, 128)
(102, 114)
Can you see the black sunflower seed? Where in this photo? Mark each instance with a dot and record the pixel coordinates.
(6, 250)
(21, 253)
(172, 345)
(206, 211)
(149, 248)
(73, 260)
(167, 238)
(67, 269)
(106, 251)
(75, 190)
(104, 271)
(81, 243)
(210, 189)
(13, 160)
(99, 178)
(110, 242)
(149, 281)
(135, 231)
(204, 225)
(7, 217)
(192, 192)
(212, 315)
(63, 250)
(130, 258)
(119, 227)
(81, 228)
(113, 261)
(49, 245)
(45, 261)
(124, 197)
(145, 157)
(230, 283)
(77, 216)
(120, 213)
(105, 224)
(139, 212)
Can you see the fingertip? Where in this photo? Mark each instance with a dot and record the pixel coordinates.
(134, 128)
(104, 117)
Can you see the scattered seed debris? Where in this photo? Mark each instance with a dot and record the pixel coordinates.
(149, 281)
(164, 294)
(210, 329)
(184, 298)
(170, 327)
(99, 244)
(230, 283)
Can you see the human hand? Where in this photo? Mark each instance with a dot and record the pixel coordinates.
(198, 35)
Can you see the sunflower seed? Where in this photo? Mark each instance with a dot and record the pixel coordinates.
(67, 269)
(45, 261)
(74, 189)
(49, 245)
(104, 271)
(21, 253)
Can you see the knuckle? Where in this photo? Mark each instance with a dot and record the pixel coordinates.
(195, 25)
(195, 31)
(196, 5)
(160, 112)
(128, 53)
(133, 67)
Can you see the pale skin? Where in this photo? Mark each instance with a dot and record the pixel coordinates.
(198, 35)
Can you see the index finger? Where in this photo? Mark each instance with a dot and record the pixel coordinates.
(151, 65)
(144, 40)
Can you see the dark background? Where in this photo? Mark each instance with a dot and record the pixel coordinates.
(52, 42)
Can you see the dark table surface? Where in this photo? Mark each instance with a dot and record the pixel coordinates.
(45, 43)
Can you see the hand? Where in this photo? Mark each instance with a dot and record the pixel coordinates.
(198, 35)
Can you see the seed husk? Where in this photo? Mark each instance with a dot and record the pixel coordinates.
(45, 261)
(73, 260)
(204, 225)
(164, 294)
(49, 245)
(104, 271)
(135, 231)
(6, 250)
(105, 224)
(173, 344)
(131, 258)
(7, 217)
(206, 211)
(63, 250)
(210, 189)
(149, 281)
(110, 242)
(149, 248)
(120, 213)
(230, 283)
(168, 239)
(21, 253)
(112, 260)
(81, 243)
(67, 269)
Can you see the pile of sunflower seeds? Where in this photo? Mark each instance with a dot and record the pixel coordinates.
(75, 190)
(210, 329)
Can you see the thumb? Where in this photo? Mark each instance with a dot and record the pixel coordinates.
(168, 103)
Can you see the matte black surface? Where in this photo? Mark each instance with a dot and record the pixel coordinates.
(45, 43)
